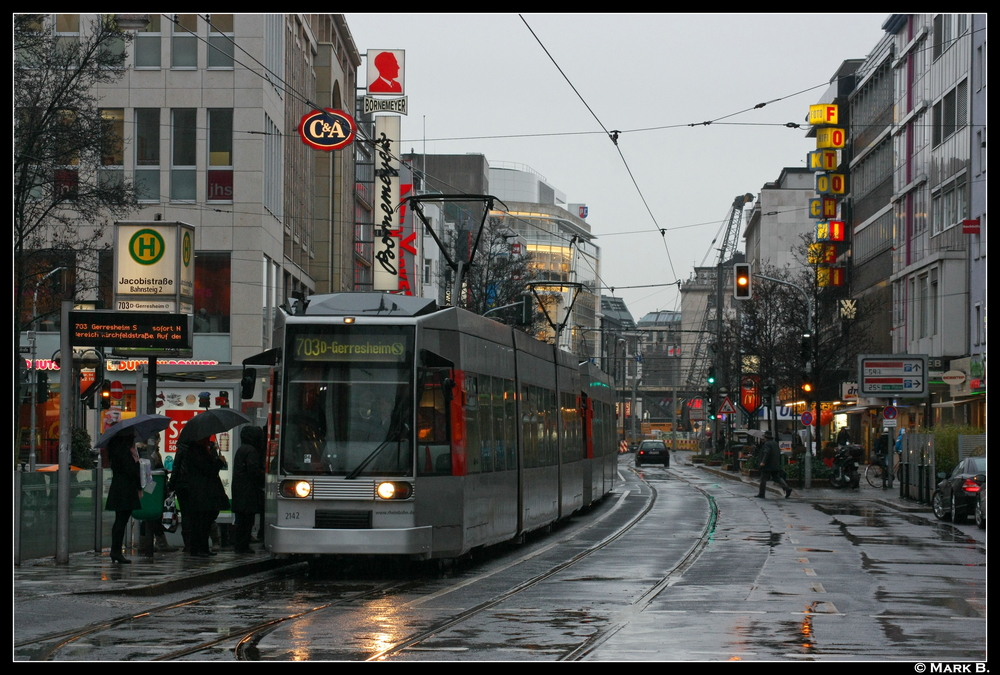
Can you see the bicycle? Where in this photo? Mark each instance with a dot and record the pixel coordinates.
(873, 474)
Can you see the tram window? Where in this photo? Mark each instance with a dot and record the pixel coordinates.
(528, 426)
(510, 422)
(485, 425)
(498, 425)
(473, 456)
(433, 428)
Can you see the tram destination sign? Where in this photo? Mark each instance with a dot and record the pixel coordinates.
(893, 375)
(145, 330)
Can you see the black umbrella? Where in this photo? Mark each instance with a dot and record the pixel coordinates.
(143, 426)
(211, 422)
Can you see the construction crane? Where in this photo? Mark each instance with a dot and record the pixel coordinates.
(699, 360)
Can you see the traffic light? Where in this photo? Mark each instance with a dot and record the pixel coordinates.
(105, 394)
(806, 347)
(711, 376)
(807, 386)
(526, 311)
(41, 387)
(742, 281)
(711, 407)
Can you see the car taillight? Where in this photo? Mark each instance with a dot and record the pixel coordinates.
(970, 485)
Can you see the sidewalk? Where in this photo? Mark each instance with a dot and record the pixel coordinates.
(865, 492)
(89, 573)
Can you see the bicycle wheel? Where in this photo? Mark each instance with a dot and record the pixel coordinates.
(873, 474)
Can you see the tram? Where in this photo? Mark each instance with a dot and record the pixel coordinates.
(396, 427)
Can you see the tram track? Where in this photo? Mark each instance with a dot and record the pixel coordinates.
(252, 640)
(670, 578)
(64, 638)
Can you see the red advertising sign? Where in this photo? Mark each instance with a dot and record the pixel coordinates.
(750, 393)
(327, 129)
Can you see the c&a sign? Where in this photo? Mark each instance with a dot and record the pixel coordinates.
(327, 129)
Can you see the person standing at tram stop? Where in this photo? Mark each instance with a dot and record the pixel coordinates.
(196, 481)
(770, 466)
(125, 493)
(248, 486)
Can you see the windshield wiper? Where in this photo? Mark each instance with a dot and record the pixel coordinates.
(398, 437)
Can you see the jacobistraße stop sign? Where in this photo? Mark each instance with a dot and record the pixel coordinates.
(892, 375)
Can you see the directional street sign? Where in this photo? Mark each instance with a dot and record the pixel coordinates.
(893, 375)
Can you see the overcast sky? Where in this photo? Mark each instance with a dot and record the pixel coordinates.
(482, 83)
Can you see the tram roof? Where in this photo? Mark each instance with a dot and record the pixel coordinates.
(369, 304)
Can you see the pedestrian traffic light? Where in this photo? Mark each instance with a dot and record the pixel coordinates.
(105, 394)
(742, 281)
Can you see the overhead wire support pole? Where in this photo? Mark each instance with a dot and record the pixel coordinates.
(810, 366)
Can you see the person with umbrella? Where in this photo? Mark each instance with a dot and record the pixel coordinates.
(125, 493)
(195, 476)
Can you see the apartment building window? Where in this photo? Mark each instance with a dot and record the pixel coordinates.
(947, 28)
(67, 31)
(273, 156)
(112, 171)
(212, 281)
(67, 170)
(932, 292)
(184, 41)
(951, 113)
(183, 165)
(220, 155)
(220, 41)
(147, 154)
(978, 317)
(147, 44)
(950, 205)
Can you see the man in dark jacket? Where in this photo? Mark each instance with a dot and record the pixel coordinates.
(248, 487)
(770, 466)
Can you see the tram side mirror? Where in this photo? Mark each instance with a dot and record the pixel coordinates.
(248, 383)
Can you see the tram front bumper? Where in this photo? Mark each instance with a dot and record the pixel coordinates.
(402, 541)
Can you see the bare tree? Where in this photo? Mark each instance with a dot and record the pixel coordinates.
(499, 276)
(63, 198)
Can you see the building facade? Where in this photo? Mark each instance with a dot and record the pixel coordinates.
(207, 111)
(933, 139)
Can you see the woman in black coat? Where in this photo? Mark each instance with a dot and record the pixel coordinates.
(248, 486)
(196, 481)
(125, 491)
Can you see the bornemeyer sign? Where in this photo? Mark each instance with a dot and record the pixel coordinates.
(893, 375)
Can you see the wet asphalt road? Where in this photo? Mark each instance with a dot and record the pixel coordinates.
(707, 572)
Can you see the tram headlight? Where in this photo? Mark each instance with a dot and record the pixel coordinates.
(296, 489)
(394, 490)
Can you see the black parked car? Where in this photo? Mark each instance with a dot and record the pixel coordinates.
(652, 452)
(956, 495)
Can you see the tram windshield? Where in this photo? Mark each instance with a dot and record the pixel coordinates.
(348, 406)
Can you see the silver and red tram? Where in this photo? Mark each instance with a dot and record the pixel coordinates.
(399, 428)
